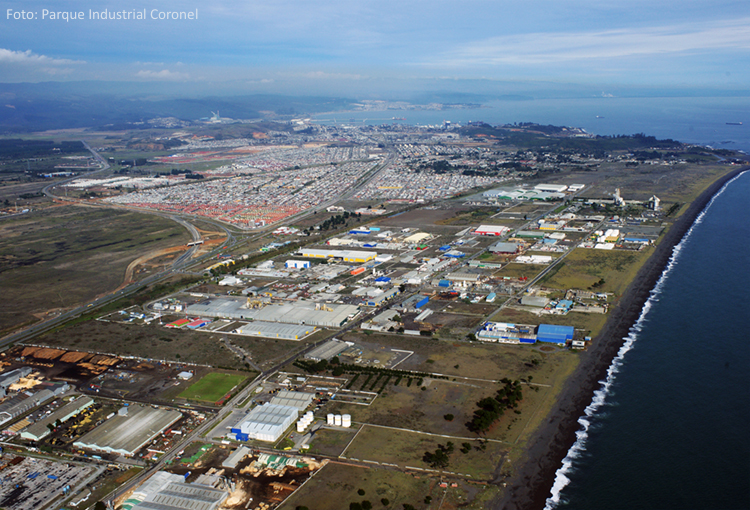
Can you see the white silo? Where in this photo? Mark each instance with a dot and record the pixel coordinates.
(346, 420)
(337, 420)
(329, 419)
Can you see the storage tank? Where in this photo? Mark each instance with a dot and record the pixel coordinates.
(346, 420)
(329, 419)
(309, 414)
(337, 420)
(301, 426)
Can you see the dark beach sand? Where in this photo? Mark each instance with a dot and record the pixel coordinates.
(535, 475)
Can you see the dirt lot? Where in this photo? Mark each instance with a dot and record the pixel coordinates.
(148, 342)
(63, 256)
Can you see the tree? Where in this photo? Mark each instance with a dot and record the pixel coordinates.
(448, 417)
(361, 492)
(385, 501)
(366, 505)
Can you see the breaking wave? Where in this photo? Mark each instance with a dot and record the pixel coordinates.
(600, 395)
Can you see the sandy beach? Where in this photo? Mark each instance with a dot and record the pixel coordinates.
(530, 487)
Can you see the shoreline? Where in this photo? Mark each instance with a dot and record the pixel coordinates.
(530, 487)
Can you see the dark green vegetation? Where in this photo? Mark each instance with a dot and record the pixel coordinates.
(492, 408)
(64, 256)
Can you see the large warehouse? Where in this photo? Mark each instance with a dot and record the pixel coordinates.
(491, 230)
(40, 429)
(554, 334)
(266, 423)
(129, 431)
(345, 255)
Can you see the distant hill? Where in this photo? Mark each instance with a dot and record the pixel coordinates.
(41, 106)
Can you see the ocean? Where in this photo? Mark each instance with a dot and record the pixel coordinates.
(668, 430)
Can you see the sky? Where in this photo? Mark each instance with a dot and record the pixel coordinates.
(368, 47)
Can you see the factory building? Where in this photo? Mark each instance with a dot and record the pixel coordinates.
(345, 255)
(275, 330)
(416, 238)
(382, 298)
(12, 377)
(491, 230)
(130, 431)
(506, 333)
(296, 399)
(40, 429)
(236, 457)
(168, 491)
(551, 188)
(554, 334)
(297, 264)
(328, 350)
(27, 400)
(504, 248)
(310, 314)
(537, 301)
(266, 423)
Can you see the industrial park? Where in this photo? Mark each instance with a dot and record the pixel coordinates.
(385, 309)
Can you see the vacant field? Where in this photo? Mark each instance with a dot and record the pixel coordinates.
(515, 270)
(337, 484)
(331, 442)
(63, 256)
(149, 342)
(584, 268)
(212, 386)
(408, 448)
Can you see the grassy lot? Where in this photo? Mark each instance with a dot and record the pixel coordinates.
(63, 256)
(407, 449)
(212, 386)
(584, 268)
(331, 442)
(336, 485)
(514, 270)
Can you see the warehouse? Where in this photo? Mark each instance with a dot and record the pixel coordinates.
(130, 431)
(297, 264)
(328, 350)
(504, 248)
(345, 255)
(417, 238)
(12, 377)
(236, 457)
(551, 188)
(28, 400)
(266, 423)
(275, 330)
(168, 491)
(295, 399)
(506, 333)
(381, 298)
(40, 429)
(554, 334)
(491, 230)
(530, 234)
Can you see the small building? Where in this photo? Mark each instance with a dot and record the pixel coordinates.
(185, 376)
(231, 281)
(381, 298)
(296, 399)
(537, 301)
(297, 264)
(551, 188)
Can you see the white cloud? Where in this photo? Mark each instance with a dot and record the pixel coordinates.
(28, 57)
(164, 74)
(549, 47)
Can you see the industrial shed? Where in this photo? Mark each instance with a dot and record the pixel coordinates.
(491, 230)
(296, 399)
(128, 433)
(266, 423)
(554, 334)
(183, 496)
(500, 247)
(275, 330)
(39, 430)
(328, 350)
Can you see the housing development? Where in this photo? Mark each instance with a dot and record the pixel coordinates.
(303, 315)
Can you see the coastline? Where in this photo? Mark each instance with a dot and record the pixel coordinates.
(530, 487)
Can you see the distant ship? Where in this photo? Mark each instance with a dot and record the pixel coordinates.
(599, 117)
(398, 118)
(734, 123)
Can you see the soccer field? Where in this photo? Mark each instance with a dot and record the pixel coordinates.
(212, 387)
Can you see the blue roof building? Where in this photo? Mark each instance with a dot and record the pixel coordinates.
(554, 334)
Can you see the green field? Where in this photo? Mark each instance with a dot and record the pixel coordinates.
(212, 386)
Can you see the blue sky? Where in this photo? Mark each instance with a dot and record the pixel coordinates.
(337, 46)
